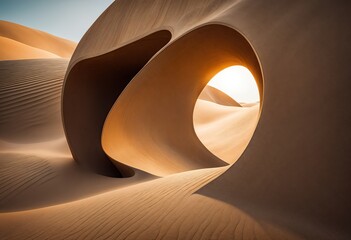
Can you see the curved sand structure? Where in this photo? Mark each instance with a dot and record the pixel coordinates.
(173, 114)
(172, 145)
(128, 102)
(20, 42)
(231, 13)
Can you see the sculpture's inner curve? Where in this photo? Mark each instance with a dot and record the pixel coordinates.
(91, 88)
(150, 127)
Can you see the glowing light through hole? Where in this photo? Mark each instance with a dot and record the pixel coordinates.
(238, 83)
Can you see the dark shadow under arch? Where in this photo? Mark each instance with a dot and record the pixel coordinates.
(91, 88)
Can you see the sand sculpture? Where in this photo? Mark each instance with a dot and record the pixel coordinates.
(149, 165)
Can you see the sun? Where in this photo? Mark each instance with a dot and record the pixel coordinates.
(237, 82)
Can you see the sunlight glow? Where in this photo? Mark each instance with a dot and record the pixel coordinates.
(238, 83)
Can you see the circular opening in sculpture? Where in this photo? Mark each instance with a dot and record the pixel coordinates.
(226, 112)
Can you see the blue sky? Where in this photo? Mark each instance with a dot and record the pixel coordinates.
(69, 19)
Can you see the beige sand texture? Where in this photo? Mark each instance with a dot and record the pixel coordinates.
(161, 209)
(20, 42)
(234, 127)
(130, 109)
(30, 100)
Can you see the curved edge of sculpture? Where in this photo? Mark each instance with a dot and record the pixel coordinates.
(91, 87)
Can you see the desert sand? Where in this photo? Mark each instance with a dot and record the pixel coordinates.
(212, 94)
(126, 141)
(20, 42)
(233, 125)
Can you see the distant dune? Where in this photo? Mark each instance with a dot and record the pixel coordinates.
(215, 95)
(20, 42)
(13, 50)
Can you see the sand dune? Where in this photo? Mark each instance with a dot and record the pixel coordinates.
(214, 95)
(31, 171)
(234, 127)
(20, 42)
(30, 100)
(130, 110)
(13, 50)
(31, 179)
(118, 215)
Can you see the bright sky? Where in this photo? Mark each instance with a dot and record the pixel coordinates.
(238, 83)
(69, 19)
